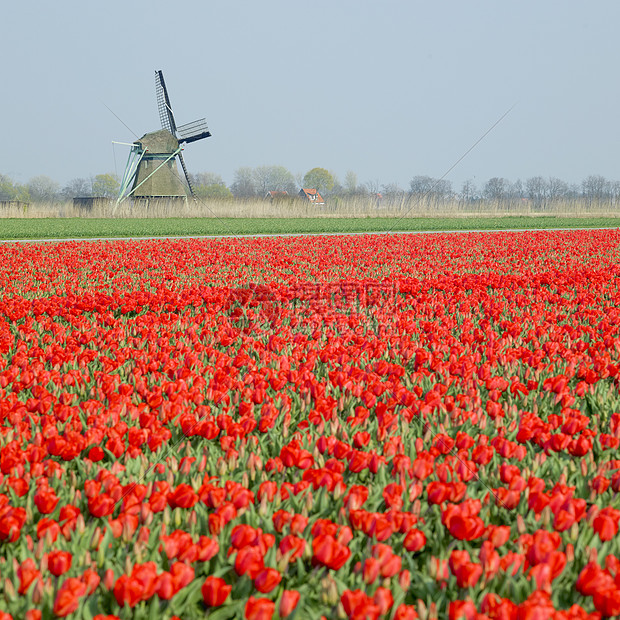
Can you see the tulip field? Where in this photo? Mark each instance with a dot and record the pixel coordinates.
(355, 427)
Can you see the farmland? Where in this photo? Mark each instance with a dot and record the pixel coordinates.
(412, 426)
(83, 228)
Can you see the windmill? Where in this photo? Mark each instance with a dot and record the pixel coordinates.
(151, 170)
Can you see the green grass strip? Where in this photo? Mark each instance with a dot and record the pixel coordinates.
(61, 228)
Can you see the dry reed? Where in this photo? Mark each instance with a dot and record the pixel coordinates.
(355, 207)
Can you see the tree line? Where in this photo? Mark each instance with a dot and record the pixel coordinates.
(255, 182)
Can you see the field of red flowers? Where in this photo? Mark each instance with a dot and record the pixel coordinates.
(349, 427)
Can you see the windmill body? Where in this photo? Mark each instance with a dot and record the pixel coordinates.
(151, 170)
(157, 175)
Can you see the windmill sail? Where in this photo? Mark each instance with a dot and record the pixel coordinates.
(163, 104)
(196, 130)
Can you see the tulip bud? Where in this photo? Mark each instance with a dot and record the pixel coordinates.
(404, 580)
(338, 492)
(40, 549)
(9, 589)
(222, 468)
(329, 590)
(592, 554)
(422, 610)
(108, 579)
(592, 512)
(145, 510)
(80, 525)
(139, 550)
(38, 591)
(432, 612)
(416, 508)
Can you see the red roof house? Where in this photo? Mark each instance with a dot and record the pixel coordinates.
(312, 195)
(275, 195)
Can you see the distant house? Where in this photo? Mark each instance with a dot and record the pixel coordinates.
(276, 195)
(312, 195)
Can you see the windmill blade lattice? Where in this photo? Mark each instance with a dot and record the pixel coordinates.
(163, 104)
(189, 183)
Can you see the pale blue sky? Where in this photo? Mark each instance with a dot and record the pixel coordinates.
(388, 89)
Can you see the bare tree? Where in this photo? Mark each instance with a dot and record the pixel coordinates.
(79, 187)
(350, 182)
(274, 178)
(496, 189)
(469, 191)
(371, 187)
(243, 185)
(558, 189)
(43, 189)
(206, 178)
(537, 190)
(595, 189)
(421, 185)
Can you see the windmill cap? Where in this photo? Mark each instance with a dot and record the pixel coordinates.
(161, 141)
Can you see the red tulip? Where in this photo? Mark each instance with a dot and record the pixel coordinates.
(182, 497)
(384, 599)
(329, 552)
(267, 579)
(293, 545)
(371, 570)
(414, 540)
(462, 610)
(68, 597)
(215, 591)
(91, 579)
(165, 587)
(259, 609)
(405, 612)
(48, 528)
(591, 578)
(101, 505)
(59, 562)
(249, 561)
(27, 574)
(182, 575)
(45, 500)
(288, 603)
